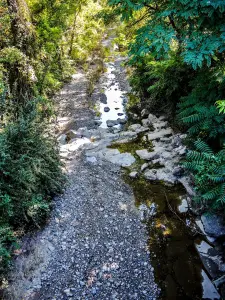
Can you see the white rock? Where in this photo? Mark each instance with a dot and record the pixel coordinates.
(166, 176)
(209, 290)
(183, 207)
(150, 175)
(161, 124)
(144, 167)
(144, 113)
(144, 154)
(153, 119)
(146, 122)
(62, 139)
(133, 174)
(134, 127)
(159, 134)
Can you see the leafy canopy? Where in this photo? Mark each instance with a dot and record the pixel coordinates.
(195, 28)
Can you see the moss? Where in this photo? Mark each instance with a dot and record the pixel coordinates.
(138, 144)
(132, 101)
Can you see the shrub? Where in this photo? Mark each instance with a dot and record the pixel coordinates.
(208, 169)
(30, 171)
(162, 83)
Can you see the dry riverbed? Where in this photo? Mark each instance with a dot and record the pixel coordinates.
(115, 233)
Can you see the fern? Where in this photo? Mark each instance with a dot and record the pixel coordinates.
(208, 169)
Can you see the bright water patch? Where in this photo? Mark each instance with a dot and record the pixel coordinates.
(115, 98)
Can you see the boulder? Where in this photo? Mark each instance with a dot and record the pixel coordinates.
(142, 129)
(72, 134)
(178, 171)
(160, 124)
(185, 181)
(144, 166)
(98, 122)
(183, 207)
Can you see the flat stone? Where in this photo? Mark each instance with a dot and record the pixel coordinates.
(213, 225)
(144, 154)
(121, 121)
(134, 127)
(121, 159)
(160, 134)
(111, 123)
(120, 114)
(166, 176)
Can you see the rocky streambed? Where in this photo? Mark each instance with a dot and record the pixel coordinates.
(124, 227)
(187, 265)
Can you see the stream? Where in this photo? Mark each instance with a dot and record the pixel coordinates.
(173, 236)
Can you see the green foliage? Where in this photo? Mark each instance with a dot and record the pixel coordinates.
(177, 53)
(195, 28)
(208, 169)
(162, 83)
(198, 111)
(30, 170)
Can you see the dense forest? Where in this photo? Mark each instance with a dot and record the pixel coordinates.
(175, 59)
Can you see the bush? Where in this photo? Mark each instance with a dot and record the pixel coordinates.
(162, 83)
(30, 171)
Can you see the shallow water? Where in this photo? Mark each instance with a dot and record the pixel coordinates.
(177, 266)
(115, 98)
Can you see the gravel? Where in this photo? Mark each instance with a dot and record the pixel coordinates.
(94, 245)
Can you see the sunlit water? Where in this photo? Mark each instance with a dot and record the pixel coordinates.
(115, 99)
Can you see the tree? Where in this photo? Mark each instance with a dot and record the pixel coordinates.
(196, 29)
